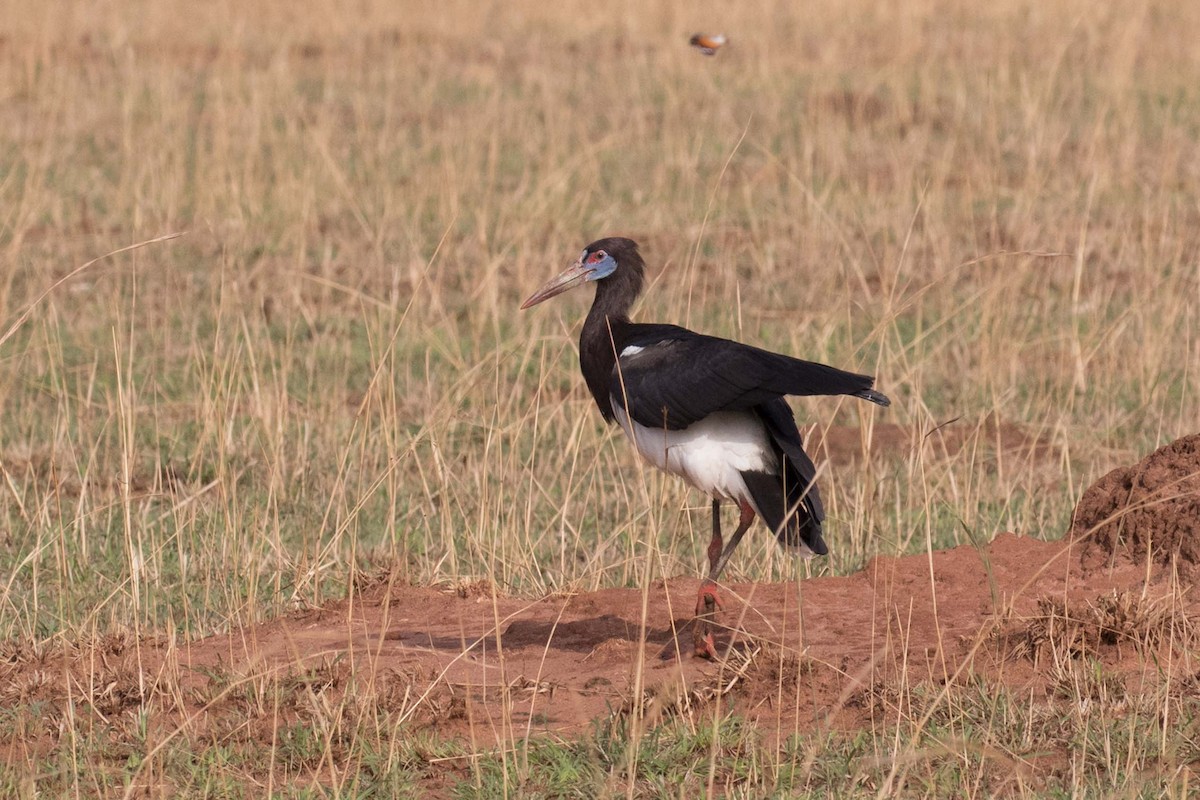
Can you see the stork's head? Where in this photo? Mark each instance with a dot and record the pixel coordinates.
(599, 260)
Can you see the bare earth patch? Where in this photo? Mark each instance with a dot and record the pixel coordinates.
(836, 653)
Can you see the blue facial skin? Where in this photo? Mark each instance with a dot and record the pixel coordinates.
(602, 268)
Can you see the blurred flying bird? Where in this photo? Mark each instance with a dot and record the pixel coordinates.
(708, 44)
(706, 409)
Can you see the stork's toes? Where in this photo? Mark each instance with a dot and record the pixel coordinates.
(703, 644)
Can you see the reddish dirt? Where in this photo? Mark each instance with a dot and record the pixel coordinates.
(822, 653)
(498, 666)
(1151, 508)
(492, 667)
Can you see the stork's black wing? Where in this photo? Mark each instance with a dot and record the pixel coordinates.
(666, 376)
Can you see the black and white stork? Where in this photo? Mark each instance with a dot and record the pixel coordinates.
(706, 409)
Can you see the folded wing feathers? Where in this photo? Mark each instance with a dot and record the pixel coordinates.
(678, 378)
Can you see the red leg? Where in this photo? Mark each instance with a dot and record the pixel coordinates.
(707, 606)
(708, 602)
(715, 545)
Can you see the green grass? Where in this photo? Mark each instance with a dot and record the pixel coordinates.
(983, 738)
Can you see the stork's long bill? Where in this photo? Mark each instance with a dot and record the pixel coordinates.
(568, 279)
(592, 265)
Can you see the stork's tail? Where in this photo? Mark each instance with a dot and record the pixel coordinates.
(799, 530)
(878, 398)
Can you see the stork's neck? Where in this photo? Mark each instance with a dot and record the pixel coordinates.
(604, 333)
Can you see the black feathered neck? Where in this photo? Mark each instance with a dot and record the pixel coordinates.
(607, 325)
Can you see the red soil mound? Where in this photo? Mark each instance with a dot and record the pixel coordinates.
(823, 653)
(490, 666)
(1151, 508)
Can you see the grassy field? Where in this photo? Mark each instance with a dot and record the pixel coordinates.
(995, 209)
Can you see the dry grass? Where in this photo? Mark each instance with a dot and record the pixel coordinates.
(996, 210)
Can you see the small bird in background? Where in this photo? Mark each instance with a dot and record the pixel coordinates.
(707, 43)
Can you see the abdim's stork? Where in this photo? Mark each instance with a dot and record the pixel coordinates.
(706, 409)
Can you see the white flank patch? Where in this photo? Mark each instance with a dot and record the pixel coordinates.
(709, 454)
(631, 350)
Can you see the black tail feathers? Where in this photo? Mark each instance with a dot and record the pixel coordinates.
(794, 516)
(875, 397)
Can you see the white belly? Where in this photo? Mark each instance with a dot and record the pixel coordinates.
(709, 454)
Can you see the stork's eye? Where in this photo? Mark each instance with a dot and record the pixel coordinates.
(597, 257)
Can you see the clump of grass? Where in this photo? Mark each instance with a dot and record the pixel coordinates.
(1060, 631)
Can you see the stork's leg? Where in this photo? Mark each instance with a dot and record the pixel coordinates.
(707, 601)
(743, 525)
(708, 590)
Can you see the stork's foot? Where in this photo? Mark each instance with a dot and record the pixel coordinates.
(703, 643)
(708, 603)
